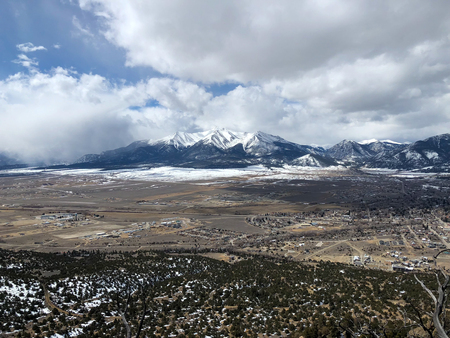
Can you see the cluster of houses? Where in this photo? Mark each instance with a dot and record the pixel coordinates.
(392, 243)
(169, 222)
(400, 263)
(112, 234)
(172, 223)
(403, 263)
(62, 217)
(358, 261)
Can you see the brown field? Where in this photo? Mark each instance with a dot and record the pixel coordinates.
(138, 215)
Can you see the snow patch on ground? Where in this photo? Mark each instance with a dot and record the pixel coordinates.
(175, 174)
(381, 171)
(413, 155)
(431, 155)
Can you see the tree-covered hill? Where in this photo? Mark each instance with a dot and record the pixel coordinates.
(97, 294)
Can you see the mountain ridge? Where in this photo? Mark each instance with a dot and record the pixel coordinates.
(222, 148)
(431, 152)
(214, 148)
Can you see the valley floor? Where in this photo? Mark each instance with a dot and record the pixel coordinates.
(328, 223)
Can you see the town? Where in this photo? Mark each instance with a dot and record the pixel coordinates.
(361, 220)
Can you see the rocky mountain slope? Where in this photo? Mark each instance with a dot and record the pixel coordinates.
(221, 148)
(215, 148)
(351, 151)
(431, 154)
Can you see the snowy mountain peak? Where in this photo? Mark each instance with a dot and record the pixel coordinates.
(260, 142)
(180, 139)
(225, 148)
(223, 138)
(255, 143)
(373, 140)
(267, 137)
(391, 142)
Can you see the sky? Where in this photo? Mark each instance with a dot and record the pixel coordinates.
(84, 76)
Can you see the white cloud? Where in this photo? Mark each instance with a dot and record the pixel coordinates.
(57, 46)
(62, 116)
(259, 40)
(244, 109)
(178, 95)
(25, 61)
(84, 31)
(309, 71)
(29, 47)
(381, 84)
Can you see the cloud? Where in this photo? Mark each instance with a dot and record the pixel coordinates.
(255, 108)
(244, 109)
(84, 31)
(311, 71)
(381, 84)
(57, 46)
(61, 115)
(178, 95)
(29, 47)
(25, 61)
(259, 40)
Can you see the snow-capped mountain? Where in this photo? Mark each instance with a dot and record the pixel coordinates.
(258, 143)
(220, 138)
(356, 152)
(221, 148)
(432, 153)
(312, 160)
(380, 146)
(374, 140)
(349, 151)
(214, 148)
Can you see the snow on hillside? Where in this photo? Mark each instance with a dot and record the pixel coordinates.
(373, 140)
(368, 141)
(307, 161)
(175, 174)
(392, 142)
(221, 138)
(180, 139)
(258, 142)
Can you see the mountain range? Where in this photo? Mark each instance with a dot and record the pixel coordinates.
(218, 148)
(222, 148)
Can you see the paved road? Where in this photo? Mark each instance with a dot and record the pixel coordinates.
(447, 245)
(418, 240)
